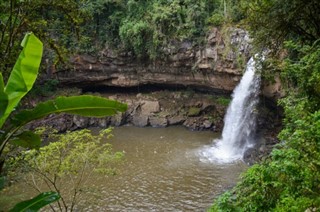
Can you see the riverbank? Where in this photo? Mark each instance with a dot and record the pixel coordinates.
(159, 107)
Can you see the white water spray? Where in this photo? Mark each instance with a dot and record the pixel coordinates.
(239, 122)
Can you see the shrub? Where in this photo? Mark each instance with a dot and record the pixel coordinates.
(216, 19)
(66, 164)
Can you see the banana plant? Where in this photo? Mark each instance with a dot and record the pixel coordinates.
(20, 82)
(36, 203)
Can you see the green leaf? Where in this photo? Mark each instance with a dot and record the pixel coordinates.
(3, 97)
(1, 83)
(2, 182)
(27, 139)
(24, 73)
(37, 202)
(84, 105)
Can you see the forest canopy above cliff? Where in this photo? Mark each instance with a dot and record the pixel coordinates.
(142, 28)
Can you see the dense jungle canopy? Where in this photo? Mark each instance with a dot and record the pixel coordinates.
(143, 28)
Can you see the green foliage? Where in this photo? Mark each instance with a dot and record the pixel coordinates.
(282, 20)
(54, 22)
(46, 89)
(71, 160)
(4, 100)
(37, 202)
(23, 75)
(27, 139)
(224, 101)
(84, 105)
(21, 82)
(194, 111)
(135, 35)
(304, 74)
(223, 204)
(144, 28)
(289, 179)
(2, 182)
(216, 19)
(147, 27)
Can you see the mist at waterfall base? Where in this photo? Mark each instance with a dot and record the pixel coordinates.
(239, 122)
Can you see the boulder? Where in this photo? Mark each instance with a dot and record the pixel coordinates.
(176, 120)
(207, 124)
(140, 120)
(149, 107)
(80, 121)
(102, 122)
(117, 120)
(156, 121)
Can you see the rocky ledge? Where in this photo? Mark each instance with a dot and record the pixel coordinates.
(162, 108)
(157, 109)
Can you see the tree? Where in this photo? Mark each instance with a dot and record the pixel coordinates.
(67, 165)
(282, 20)
(56, 23)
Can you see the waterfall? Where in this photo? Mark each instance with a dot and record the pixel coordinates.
(239, 122)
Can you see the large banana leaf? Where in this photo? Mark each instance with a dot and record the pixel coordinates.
(23, 75)
(84, 105)
(37, 202)
(27, 139)
(3, 97)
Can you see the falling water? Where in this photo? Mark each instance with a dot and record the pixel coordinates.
(240, 121)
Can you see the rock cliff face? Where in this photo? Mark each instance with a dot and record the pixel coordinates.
(216, 66)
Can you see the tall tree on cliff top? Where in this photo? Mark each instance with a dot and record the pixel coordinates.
(53, 21)
(277, 20)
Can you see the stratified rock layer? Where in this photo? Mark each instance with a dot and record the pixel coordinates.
(216, 66)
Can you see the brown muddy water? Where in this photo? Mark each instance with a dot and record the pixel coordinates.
(163, 171)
